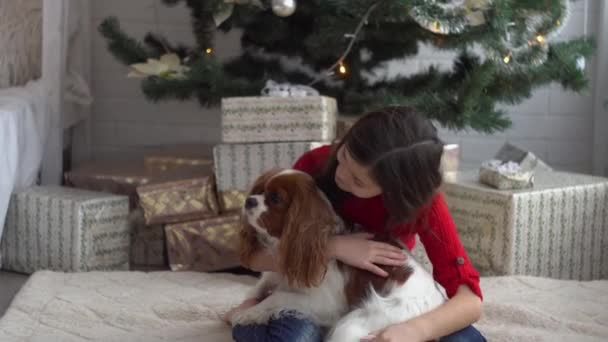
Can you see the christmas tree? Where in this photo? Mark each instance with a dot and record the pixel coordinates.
(505, 49)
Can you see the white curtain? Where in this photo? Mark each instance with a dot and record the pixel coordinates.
(33, 117)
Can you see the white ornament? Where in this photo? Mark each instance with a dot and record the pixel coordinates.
(283, 8)
(580, 63)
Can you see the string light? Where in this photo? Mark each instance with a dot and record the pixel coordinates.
(436, 26)
(209, 51)
(540, 38)
(342, 68)
(507, 58)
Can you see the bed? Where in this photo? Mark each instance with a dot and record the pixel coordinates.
(35, 118)
(185, 306)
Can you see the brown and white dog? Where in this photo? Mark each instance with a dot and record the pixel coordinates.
(286, 214)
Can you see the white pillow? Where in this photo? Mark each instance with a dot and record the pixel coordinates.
(20, 41)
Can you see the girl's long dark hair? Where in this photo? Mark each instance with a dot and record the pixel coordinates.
(403, 152)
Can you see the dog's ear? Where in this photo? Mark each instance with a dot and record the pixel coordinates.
(248, 241)
(303, 245)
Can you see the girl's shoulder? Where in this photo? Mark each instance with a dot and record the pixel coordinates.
(313, 160)
(436, 209)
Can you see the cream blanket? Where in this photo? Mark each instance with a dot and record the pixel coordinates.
(164, 306)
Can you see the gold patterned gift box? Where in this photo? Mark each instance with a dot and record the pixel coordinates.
(65, 229)
(238, 165)
(179, 201)
(272, 118)
(206, 245)
(124, 177)
(557, 229)
(170, 157)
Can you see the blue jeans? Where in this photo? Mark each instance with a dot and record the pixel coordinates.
(284, 329)
(468, 334)
(292, 329)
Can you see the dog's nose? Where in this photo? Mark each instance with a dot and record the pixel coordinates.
(251, 203)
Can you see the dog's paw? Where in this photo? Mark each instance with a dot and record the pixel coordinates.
(261, 291)
(254, 315)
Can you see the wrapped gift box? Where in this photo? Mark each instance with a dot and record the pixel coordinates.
(343, 126)
(238, 165)
(271, 118)
(205, 245)
(123, 178)
(556, 229)
(172, 157)
(179, 201)
(148, 250)
(65, 229)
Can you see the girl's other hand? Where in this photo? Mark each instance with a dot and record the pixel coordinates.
(359, 251)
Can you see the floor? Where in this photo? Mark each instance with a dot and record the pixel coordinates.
(10, 283)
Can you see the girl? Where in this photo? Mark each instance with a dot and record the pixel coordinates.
(385, 175)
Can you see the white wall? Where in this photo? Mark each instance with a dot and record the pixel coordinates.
(555, 125)
(124, 123)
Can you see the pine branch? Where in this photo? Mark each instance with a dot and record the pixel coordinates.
(124, 48)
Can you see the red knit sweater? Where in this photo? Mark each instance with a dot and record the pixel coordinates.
(451, 265)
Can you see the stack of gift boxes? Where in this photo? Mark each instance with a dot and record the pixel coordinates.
(178, 208)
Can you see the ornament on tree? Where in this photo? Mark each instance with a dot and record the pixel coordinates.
(283, 8)
(451, 17)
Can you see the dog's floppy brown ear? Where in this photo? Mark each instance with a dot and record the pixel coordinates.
(248, 241)
(303, 245)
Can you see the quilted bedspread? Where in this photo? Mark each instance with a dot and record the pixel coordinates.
(165, 306)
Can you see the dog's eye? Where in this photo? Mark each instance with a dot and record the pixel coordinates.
(274, 198)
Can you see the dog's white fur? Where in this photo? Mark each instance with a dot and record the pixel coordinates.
(327, 304)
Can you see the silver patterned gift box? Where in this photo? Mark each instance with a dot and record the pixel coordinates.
(271, 118)
(557, 229)
(66, 229)
(238, 165)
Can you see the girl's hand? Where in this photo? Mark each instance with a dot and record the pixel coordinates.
(242, 307)
(401, 332)
(359, 251)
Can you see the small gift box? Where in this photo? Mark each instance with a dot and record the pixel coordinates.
(512, 168)
(204, 245)
(502, 176)
(179, 201)
(230, 200)
(450, 161)
(273, 118)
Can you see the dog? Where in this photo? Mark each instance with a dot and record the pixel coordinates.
(289, 216)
